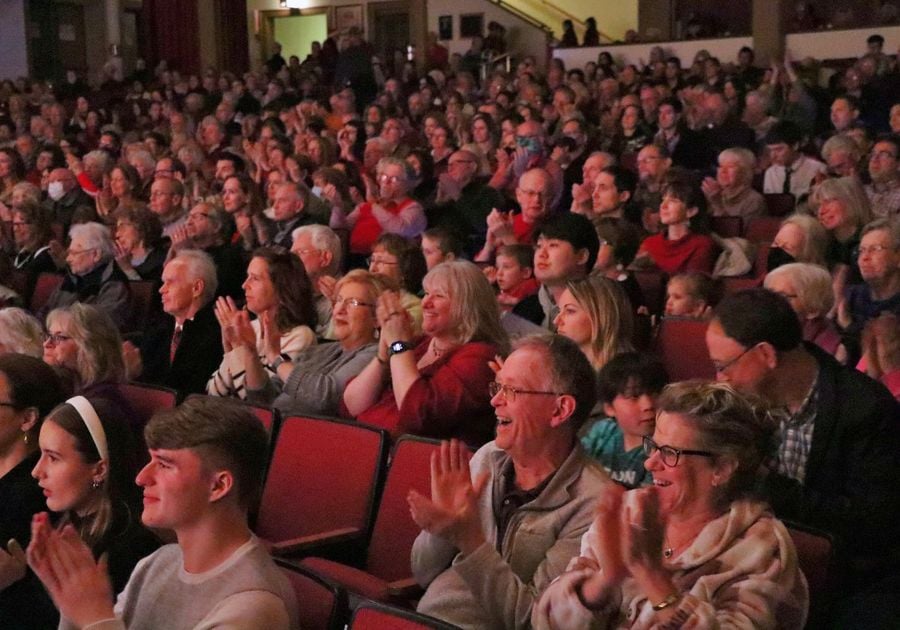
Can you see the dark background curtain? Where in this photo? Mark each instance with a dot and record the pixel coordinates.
(231, 25)
(170, 29)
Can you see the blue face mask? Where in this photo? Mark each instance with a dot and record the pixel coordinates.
(317, 191)
(530, 144)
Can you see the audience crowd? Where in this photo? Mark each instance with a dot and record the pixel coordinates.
(481, 258)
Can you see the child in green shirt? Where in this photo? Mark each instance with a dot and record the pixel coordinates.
(628, 387)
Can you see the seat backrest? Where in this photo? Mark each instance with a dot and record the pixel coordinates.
(46, 284)
(372, 616)
(142, 294)
(681, 346)
(762, 229)
(148, 399)
(726, 226)
(653, 286)
(779, 204)
(815, 550)
(322, 605)
(395, 531)
(323, 475)
(266, 415)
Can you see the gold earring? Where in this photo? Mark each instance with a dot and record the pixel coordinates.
(95, 484)
(25, 437)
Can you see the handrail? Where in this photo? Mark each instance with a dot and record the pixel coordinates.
(522, 15)
(574, 19)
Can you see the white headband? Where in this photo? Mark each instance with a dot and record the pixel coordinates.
(92, 421)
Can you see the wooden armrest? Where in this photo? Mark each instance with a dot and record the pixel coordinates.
(305, 543)
(405, 589)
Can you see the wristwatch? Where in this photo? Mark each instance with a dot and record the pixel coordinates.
(397, 347)
(274, 365)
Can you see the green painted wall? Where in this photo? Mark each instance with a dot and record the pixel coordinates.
(297, 33)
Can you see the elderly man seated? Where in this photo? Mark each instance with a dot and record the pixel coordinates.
(497, 530)
(93, 276)
(319, 249)
(730, 194)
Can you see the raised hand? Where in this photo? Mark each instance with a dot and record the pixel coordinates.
(79, 585)
(12, 564)
(452, 511)
(642, 532)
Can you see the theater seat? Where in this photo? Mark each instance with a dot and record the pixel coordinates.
(321, 485)
(815, 552)
(147, 399)
(779, 204)
(322, 605)
(681, 346)
(44, 287)
(387, 576)
(372, 616)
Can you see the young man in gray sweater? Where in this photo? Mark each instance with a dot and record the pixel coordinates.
(206, 467)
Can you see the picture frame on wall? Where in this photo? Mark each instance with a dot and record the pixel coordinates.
(445, 27)
(347, 17)
(471, 25)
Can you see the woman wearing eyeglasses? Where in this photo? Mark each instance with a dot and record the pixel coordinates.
(436, 385)
(392, 210)
(314, 381)
(696, 549)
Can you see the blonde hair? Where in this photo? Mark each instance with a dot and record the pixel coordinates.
(612, 323)
(474, 312)
(815, 238)
(98, 341)
(20, 332)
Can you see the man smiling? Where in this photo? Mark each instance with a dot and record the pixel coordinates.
(206, 468)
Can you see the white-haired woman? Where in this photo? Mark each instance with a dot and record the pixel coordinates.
(93, 276)
(808, 288)
(730, 194)
(801, 238)
(20, 333)
(436, 385)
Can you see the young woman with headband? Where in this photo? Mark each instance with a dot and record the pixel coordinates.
(86, 470)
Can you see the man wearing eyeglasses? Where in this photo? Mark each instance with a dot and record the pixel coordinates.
(499, 528)
(837, 461)
(884, 168)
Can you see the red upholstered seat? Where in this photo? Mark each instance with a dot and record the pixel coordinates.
(142, 295)
(46, 284)
(762, 229)
(322, 605)
(815, 551)
(381, 617)
(727, 226)
(681, 346)
(779, 204)
(322, 482)
(387, 575)
(148, 399)
(653, 286)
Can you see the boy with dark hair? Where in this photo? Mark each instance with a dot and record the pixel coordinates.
(628, 387)
(440, 244)
(515, 274)
(207, 459)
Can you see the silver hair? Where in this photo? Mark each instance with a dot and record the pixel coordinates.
(891, 226)
(323, 238)
(744, 158)
(200, 266)
(101, 158)
(21, 332)
(812, 283)
(95, 236)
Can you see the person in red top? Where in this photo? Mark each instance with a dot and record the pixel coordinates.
(391, 210)
(435, 386)
(533, 195)
(515, 275)
(679, 247)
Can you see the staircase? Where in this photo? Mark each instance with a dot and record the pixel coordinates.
(548, 15)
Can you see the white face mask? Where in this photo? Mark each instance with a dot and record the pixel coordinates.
(55, 190)
(317, 191)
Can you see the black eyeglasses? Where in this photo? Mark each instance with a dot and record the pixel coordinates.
(721, 367)
(55, 338)
(669, 454)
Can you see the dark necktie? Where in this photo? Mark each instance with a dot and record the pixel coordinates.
(787, 180)
(173, 347)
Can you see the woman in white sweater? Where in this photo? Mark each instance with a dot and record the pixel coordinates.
(279, 294)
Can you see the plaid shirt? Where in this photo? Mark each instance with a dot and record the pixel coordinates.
(885, 198)
(796, 434)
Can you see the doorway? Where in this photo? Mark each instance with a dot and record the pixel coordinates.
(296, 33)
(390, 26)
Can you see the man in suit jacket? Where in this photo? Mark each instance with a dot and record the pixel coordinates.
(836, 464)
(183, 350)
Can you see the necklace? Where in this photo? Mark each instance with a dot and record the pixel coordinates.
(668, 552)
(435, 350)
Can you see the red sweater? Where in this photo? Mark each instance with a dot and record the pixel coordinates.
(450, 399)
(694, 252)
(367, 228)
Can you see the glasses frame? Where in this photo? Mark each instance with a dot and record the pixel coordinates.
(55, 340)
(495, 388)
(649, 447)
(336, 303)
(723, 367)
(371, 260)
